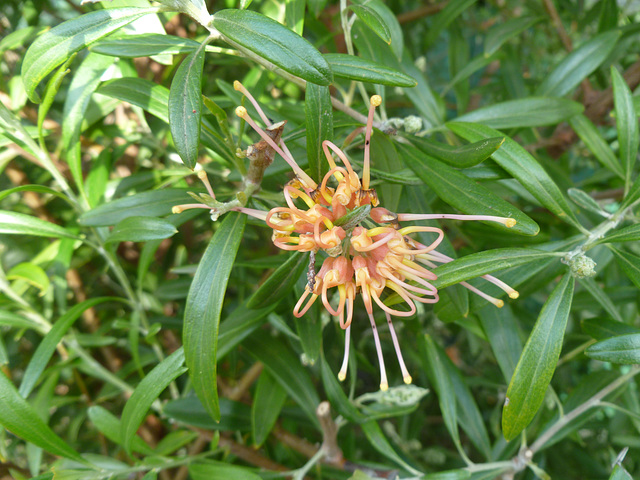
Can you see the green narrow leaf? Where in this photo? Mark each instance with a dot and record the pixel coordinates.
(17, 416)
(524, 112)
(109, 425)
(629, 263)
(459, 191)
(18, 321)
(33, 274)
(48, 345)
(597, 145)
(626, 123)
(633, 195)
(33, 188)
(501, 328)
(265, 409)
(385, 157)
(522, 166)
(619, 473)
(280, 283)
(185, 107)
(443, 386)
(141, 229)
(53, 48)
(460, 474)
(50, 93)
(363, 70)
(140, 92)
(337, 397)
(443, 19)
(190, 411)
(202, 311)
(154, 203)
(294, 15)
(469, 415)
(624, 349)
(14, 223)
(578, 65)
(598, 293)
(378, 441)
(502, 32)
(239, 325)
(220, 471)
(83, 84)
(602, 328)
(373, 20)
(144, 45)
(538, 361)
(253, 32)
(459, 156)
(319, 125)
(147, 391)
(630, 233)
(584, 200)
(287, 369)
(482, 263)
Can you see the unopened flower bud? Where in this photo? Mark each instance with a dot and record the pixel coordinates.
(412, 124)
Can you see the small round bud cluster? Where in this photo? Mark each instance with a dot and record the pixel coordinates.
(412, 124)
(582, 266)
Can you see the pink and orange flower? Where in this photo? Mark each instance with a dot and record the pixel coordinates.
(368, 251)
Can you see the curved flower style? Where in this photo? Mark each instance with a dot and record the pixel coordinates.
(367, 250)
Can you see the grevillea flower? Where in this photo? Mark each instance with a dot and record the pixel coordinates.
(369, 252)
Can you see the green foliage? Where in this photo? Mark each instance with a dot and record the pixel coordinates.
(150, 327)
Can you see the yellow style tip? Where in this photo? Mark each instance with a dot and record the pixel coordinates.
(376, 100)
(241, 112)
(511, 222)
(384, 387)
(237, 85)
(514, 295)
(201, 174)
(176, 209)
(342, 376)
(408, 380)
(499, 304)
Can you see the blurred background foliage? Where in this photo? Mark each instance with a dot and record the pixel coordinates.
(91, 317)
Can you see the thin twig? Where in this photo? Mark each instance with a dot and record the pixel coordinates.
(421, 12)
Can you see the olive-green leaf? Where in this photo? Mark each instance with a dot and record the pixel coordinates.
(319, 124)
(48, 345)
(220, 471)
(461, 192)
(185, 107)
(147, 391)
(461, 156)
(109, 425)
(202, 311)
(501, 328)
(482, 263)
(363, 70)
(155, 203)
(584, 200)
(502, 32)
(265, 409)
(623, 349)
(339, 401)
(632, 195)
(52, 48)
(578, 65)
(287, 370)
(603, 328)
(459, 474)
(626, 122)
(141, 229)
(597, 145)
(144, 45)
(538, 361)
(252, 31)
(280, 282)
(522, 166)
(629, 263)
(17, 416)
(442, 20)
(373, 20)
(378, 441)
(14, 223)
(630, 233)
(143, 93)
(524, 112)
